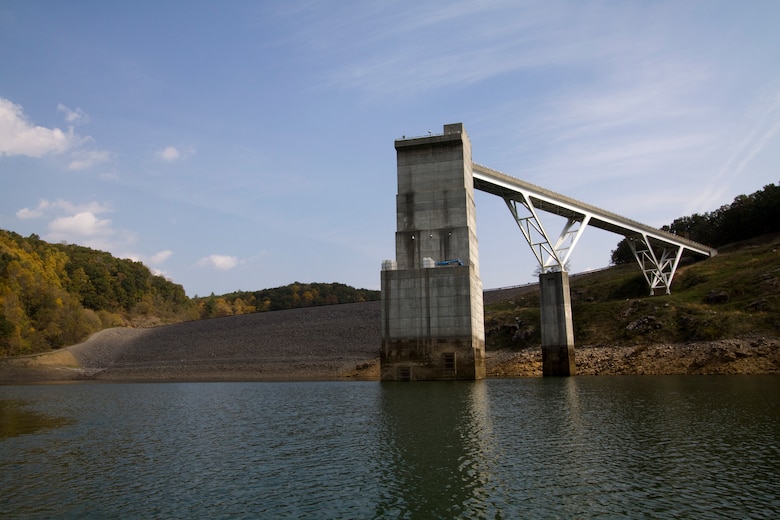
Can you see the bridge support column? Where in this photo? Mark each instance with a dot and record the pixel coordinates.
(557, 328)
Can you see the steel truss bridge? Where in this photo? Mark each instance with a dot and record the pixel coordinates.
(657, 252)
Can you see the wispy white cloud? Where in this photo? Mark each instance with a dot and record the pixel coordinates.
(85, 159)
(18, 136)
(86, 225)
(160, 272)
(37, 212)
(390, 53)
(152, 262)
(172, 153)
(73, 116)
(83, 225)
(160, 257)
(45, 207)
(219, 262)
(760, 128)
(76, 223)
(169, 153)
(764, 125)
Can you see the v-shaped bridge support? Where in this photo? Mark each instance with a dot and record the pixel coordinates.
(550, 255)
(658, 264)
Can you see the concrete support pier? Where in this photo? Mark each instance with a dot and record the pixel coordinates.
(432, 315)
(557, 328)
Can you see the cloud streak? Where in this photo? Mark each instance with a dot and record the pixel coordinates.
(81, 226)
(18, 136)
(73, 116)
(172, 154)
(219, 262)
(761, 132)
(85, 159)
(45, 207)
(761, 128)
(405, 54)
(169, 154)
(160, 257)
(79, 223)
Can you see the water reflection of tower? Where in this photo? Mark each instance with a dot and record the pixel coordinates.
(436, 445)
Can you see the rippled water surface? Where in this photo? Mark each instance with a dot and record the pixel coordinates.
(584, 447)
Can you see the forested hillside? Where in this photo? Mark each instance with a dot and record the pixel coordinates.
(53, 295)
(747, 217)
(292, 296)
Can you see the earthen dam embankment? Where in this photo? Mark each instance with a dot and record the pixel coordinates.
(339, 342)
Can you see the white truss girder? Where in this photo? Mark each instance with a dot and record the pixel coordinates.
(521, 196)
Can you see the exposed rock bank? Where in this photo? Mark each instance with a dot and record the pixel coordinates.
(731, 356)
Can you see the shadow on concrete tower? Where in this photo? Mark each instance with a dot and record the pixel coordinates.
(432, 315)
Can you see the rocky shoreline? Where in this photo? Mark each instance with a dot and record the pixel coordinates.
(339, 342)
(746, 356)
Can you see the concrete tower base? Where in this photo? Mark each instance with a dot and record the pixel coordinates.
(557, 328)
(427, 326)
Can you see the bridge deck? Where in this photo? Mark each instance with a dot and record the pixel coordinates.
(505, 186)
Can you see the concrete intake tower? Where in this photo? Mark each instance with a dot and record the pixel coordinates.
(432, 310)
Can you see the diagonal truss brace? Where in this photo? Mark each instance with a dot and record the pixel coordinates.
(549, 256)
(658, 270)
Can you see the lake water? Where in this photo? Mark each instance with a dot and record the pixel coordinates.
(582, 447)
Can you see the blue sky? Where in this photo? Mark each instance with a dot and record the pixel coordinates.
(240, 145)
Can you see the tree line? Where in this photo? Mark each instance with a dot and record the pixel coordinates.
(749, 216)
(291, 296)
